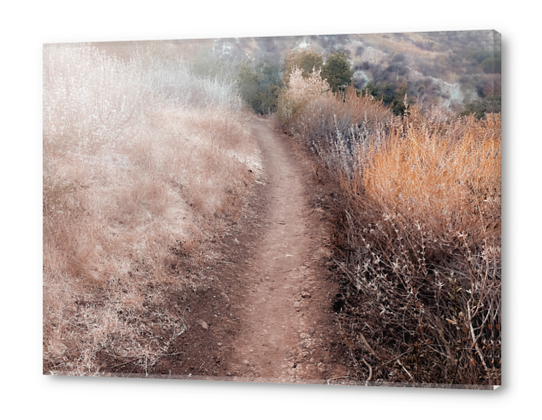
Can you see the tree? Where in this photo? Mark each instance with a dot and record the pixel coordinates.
(305, 59)
(337, 71)
(259, 85)
(392, 95)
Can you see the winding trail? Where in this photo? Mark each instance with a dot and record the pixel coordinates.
(283, 313)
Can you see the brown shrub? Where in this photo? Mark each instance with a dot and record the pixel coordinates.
(418, 238)
(423, 233)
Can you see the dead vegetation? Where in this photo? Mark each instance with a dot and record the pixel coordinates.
(143, 165)
(417, 241)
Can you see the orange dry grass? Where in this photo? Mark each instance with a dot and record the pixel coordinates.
(437, 172)
(423, 230)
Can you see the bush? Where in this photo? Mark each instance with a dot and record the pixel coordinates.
(259, 85)
(417, 236)
(491, 65)
(300, 92)
(337, 72)
(423, 280)
(394, 95)
(307, 60)
(489, 105)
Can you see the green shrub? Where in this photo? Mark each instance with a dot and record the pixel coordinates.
(488, 105)
(491, 65)
(337, 72)
(259, 85)
(394, 96)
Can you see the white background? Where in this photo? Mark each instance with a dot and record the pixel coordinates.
(25, 26)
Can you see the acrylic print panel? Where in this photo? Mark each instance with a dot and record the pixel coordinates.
(315, 209)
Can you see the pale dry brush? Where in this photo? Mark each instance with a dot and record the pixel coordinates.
(337, 126)
(142, 165)
(300, 91)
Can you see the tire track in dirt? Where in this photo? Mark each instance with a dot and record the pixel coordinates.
(284, 312)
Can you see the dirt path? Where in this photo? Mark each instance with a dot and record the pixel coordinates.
(284, 310)
(264, 309)
(265, 312)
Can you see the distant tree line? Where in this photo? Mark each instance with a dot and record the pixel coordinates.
(260, 81)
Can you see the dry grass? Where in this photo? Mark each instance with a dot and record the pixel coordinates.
(418, 238)
(336, 126)
(423, 227)
(328, 118)
(137, 178)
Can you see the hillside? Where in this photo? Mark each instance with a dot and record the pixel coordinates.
(444, 68)
(447, 69)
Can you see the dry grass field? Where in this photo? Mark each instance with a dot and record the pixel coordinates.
(143, 164)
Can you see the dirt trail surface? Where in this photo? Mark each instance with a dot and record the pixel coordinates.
(284, 311)
(267, 313)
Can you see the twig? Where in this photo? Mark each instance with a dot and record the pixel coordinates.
(183, 329)
(400, 364)
(366, 343)
(185, 310)
(125, 363)
(395, 358)
(474, 338)
(339, 264)
(370, 372)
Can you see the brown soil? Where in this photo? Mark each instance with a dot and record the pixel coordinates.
(284, 309)
(267, 313)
